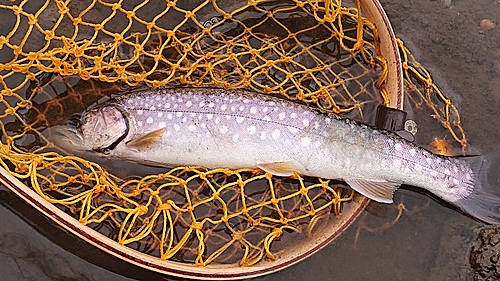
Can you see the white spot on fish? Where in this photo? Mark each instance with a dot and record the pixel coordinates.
(211, 105)
(417, 167)
(397, 162)
(251, 129)
(162, 125)
(223, 129)
(293, 130)
(184, 119)
(139, 112)
(428, 160)
(236, 137)
(200, 116)
(328, 120)
(217, 120)
(305, 141)
(240, 119)
(169, 116)
(160, 114)
(246, 100)
(241, 108)
(267, 118)
(276, 134)
(253, 110)
(281, 116)
(153, 108)
(223, 107)
(179, 114)
(139, 123)
(176, 105)
(210, 116)
(413, 152)
(203, 125)
(192, 127)
(233, 108)
(317, 144)
(228, 117)
(265, 109)
(398, 147)
(293, 115)
(167, 105)
(305, 122)
(149, 120)
(177, 127)
(263, 135)
(447, 171)
(202, 103)
(189, 103)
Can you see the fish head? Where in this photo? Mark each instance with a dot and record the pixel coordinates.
(100, 129)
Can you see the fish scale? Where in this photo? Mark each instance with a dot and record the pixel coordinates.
(232, 111)
(216, 122)
(235, 129)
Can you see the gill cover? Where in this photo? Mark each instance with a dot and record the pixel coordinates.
(102, 128)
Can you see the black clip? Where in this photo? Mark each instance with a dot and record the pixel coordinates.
(390, 119)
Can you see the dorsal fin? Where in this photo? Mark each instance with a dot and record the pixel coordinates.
(146, 141)
(406, 135)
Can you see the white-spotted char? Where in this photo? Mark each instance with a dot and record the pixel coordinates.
(235, 129)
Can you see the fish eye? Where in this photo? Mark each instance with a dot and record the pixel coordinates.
(75, 121)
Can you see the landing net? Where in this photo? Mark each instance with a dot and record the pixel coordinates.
(59, 57)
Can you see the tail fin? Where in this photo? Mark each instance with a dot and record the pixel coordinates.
(483, 202)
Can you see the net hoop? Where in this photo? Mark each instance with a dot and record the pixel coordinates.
(389, 49)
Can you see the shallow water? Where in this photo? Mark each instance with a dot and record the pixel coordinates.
(431, 244)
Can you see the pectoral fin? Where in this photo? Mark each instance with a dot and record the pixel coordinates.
(282, 169)
(380, 191)
(146, 141)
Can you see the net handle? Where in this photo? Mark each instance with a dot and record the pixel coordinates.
(387, 44)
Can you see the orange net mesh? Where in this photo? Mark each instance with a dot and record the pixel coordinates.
(58, 57)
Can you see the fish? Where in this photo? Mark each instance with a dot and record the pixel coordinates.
(234, 129)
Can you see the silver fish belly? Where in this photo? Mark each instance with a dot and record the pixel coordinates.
(238, 129)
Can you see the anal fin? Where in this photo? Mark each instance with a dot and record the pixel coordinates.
(380, 191)
(146, 141)
(282, 169)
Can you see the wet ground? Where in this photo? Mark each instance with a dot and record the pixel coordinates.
(431, 244)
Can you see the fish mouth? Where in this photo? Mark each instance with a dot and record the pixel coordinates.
(66, 137)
